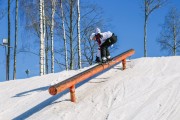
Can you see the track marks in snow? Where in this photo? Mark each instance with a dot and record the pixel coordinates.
(149, 89)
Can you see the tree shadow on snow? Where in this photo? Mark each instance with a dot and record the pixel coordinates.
(30, 91)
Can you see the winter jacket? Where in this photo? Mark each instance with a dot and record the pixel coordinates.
(101, 40)
(104, 37)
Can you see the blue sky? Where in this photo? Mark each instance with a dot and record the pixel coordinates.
(126, 21)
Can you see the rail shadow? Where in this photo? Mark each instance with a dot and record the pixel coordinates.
(40, 106)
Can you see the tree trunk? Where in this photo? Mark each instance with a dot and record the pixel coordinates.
(79, 38)
(64, 35)
(16, 38)
(44, 35)
(175, 41)
(145, 37)
(46, 51)
(146, 11)
(9, 40)
(52, 35)
(71, 36)
(41, 37)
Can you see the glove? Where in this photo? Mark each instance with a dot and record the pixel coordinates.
(97, 59)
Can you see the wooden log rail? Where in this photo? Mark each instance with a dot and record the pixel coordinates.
(71, 82)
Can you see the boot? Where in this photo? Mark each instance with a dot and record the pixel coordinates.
(104, 59)
(109, 58)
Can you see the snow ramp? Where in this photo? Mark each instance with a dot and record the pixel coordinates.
(149, 89)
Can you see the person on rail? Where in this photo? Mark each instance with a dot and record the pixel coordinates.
(104, 40)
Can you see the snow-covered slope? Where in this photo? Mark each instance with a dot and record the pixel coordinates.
(149, 89)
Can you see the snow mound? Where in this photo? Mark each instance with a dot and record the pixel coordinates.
(149, 89)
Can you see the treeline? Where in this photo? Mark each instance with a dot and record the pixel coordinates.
(169, 38)
(61, 29)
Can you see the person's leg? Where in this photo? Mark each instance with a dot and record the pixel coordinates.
(103, 53)
(104, 50)
(108, 56)
(107, 43)
(107, 52)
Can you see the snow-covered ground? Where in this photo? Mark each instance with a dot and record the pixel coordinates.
(149, 89)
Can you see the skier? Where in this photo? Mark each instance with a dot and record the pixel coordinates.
(104, 40)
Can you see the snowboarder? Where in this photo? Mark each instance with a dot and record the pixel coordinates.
(104, 40)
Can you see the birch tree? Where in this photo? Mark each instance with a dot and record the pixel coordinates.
(46, 50)
(79, 37)
(71, 35)
(53, 8)
(65, 24)
(44, 35)
(41, 37)
(169, 39)
(149, 7)
(16, 39)
(90, 19)
(64, 35)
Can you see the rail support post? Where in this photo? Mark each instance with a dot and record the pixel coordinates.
(72, 93)
(124, 64)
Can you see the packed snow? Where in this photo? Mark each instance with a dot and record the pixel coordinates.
(149, 89)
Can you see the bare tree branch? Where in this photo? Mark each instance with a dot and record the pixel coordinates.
(170, 36)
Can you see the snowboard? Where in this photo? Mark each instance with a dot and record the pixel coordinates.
(107, 62)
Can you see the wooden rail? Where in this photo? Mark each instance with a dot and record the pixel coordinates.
(71, 82)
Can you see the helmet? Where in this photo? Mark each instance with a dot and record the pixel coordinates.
(98, 31)
(92, 36)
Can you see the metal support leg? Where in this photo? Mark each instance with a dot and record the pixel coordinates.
(124, 64)
(72, 93)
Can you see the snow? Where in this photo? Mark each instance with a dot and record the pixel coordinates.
(149, 89)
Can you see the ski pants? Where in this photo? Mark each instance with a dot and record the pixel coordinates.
(106, 44)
